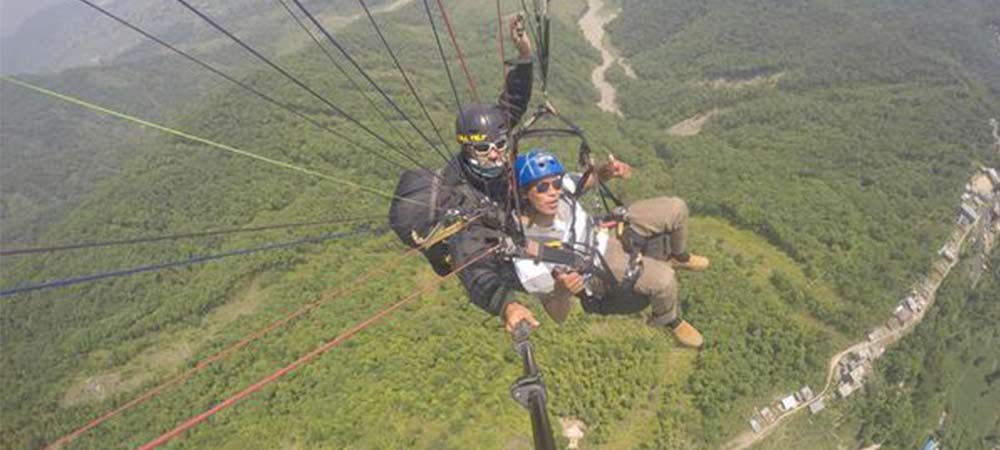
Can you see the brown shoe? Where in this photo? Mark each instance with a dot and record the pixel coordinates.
(694, 263)
(687, 335)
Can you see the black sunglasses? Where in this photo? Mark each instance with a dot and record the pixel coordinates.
(484, 147)
(543, 187)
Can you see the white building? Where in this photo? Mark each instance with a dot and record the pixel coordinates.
(789, 403)
(994, 177)
(903, 314)
(805, 394)
(947, 253)
(755, 426)
(816, 406)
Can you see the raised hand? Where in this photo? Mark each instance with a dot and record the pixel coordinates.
(614, 169)
(520, 37)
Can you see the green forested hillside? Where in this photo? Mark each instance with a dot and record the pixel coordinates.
(848, 161)
(818, 196)
(52, 159)
(54, 155)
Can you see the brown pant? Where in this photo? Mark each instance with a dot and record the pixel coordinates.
(653, 219)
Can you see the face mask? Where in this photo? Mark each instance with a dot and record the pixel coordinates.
(485, 169)
(479, 158)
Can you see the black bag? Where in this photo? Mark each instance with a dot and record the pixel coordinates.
(420, 215)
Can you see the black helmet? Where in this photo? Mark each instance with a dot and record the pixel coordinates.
(479, 122)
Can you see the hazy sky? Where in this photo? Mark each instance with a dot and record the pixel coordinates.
(14, 12)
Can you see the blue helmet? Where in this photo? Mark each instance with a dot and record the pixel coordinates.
(535, 165)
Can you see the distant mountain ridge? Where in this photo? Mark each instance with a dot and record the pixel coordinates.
(69, 34)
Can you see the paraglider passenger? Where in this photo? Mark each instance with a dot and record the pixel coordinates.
(553, 219)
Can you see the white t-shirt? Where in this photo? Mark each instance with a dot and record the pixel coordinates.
(536, 277)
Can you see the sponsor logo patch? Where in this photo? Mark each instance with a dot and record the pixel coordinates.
(470, 138)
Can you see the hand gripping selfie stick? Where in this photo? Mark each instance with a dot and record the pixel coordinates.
(529, 391)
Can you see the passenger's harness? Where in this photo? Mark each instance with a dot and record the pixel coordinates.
(587, 260)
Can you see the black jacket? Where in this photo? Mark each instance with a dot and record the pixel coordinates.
(490, 282)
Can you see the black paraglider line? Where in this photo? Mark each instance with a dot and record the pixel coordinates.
(357, 87)
(364, 73)
(265, 97)
(173, 264)
(53, 248)
(302, 85)
(458, 52)
(406, 78)
(240, 84)
(444, 59)
(451, 80)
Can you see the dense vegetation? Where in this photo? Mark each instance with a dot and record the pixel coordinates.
(828, 191)
(847, 161)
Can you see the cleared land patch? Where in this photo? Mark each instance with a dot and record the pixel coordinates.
(174, 348)
(692, 125)
(726, 83)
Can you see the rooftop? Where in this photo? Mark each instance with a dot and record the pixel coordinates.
(981, 184)
(789, 402)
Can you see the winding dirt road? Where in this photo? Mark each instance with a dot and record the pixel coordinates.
(592, 23)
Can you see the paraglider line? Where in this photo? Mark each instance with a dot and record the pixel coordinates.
(169, 265)
(303, 86)
(350, 79)
(364, 73)
(170, 237)
(458, 50)
(208, 142)
(406, 78)
(328, 296)
(305, 359)
(444, 60)
(241, 84)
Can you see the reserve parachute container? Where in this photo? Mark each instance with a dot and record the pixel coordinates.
(413, 216)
